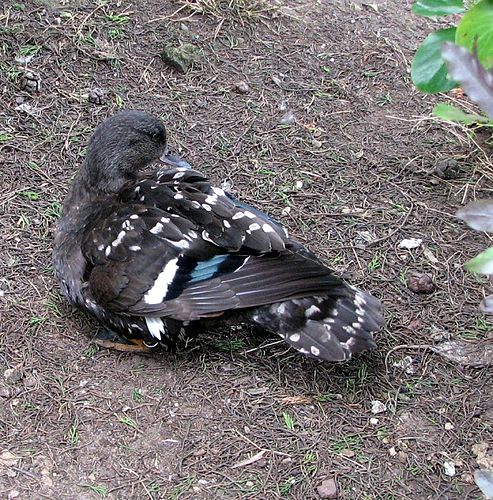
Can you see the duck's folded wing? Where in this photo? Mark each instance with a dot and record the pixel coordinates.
(171, 258)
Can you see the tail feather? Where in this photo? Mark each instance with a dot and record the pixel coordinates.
(331, 327)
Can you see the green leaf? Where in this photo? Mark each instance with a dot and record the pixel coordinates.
(438, 7)
(476, 26)
(429, 71)
(482, 263)
(453, 114)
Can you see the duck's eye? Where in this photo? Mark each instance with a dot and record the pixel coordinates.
(158, 136)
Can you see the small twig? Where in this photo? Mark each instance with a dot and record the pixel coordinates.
(274, 452)
(263, 346)
(404, 346)
(84, 21)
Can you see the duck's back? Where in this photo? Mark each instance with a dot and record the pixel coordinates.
(172, 245)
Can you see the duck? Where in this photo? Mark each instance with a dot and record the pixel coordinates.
(149, 246)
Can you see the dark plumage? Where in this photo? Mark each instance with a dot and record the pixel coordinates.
(146, 253)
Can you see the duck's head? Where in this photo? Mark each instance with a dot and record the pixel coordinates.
(120, 147)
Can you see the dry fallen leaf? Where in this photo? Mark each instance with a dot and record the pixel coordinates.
(249, 460)
(295, 400)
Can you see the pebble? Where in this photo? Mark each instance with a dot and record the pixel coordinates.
(447, 168)
(241, 87)
(30, 81)
(378, 407)
(327, 489)
(347, 453)
(13, 375)
(421, 283)
(288, 118)
(96, 96)
(449, 468)
(448, 426)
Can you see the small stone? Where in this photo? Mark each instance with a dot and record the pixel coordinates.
(298, 185)
(392, 451)
(316, 143)
(13, 375)
(13, 494)
(447, 169)
(4, 392)
(449, 469)
(327, 489)
(346, 452)
(410, 243)
(96, 96)
(30, 81)
(241, 87)
(288, 118)
(378, 407)
(448, 426)
(421, 283)
(19, 99)
(30, 381)
(25, 108)
(182, 57)
(374, 421)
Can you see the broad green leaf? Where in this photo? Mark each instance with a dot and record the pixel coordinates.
(466, 69)
(478, 215)
(453, 114)
(429, 71)
(438, 7)
(476, 27)
(482, 263)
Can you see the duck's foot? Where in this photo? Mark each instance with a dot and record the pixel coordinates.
(112, 340)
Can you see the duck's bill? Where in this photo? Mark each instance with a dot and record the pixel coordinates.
(174, 160)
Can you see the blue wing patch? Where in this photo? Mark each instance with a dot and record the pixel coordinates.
(205, 270)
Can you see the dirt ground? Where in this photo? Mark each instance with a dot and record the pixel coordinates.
(330, 126)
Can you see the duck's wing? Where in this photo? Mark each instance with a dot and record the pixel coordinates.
(176, 246)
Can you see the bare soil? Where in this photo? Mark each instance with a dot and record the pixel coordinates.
(355, 165)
